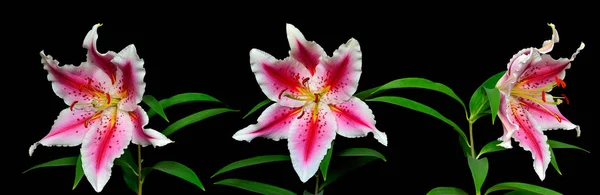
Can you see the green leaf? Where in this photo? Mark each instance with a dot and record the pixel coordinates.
(522, 187)
(493, 146)
(478, 103)
(325, 162)
(479, 100)
(362, 152)
(519, 192)
(129, 169)
(179, 170)
(256, 187)
(479, 170)
(420, 83)
(446, 191)
(155, 106)
(193, 118)
(258, 106)
(67, 161)
(310, 193)
(553, 161)
(252, 161)
(366, 93)
(336, 172)
(183, 99)
(416, 106)
(494, 99)
(465, 147)
(78, 172)
(557, 144)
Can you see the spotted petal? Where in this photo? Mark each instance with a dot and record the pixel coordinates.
(531, 138)
(102, 60)
(68, 130)
(77, 85)
(273, 123)
(105, 142)
(548, 45)
(145, 136)
(355, 119)
(542, 71)
(339, 74)
(306, 52)
(279, 79)
(309, 139)
(508, 121)
(130, 77)
(547, 115)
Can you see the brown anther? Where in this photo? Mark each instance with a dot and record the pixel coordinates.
(316, 97)
(107, 98)
(73, 105)
(557, 118)
(566, 99)
(544, 96)
(86, 123)
(301, 114)
(281, 93)
(560, 82)
(305, 80)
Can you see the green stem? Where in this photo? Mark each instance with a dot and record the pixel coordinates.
(471, 139)
(317, 184)
(140, 182)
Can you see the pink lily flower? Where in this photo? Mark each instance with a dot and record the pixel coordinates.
(314, 95)
(103, 116)
(526, 107)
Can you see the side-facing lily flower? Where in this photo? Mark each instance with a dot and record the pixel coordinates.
(314, 95)
(526, 107)
(103, 116)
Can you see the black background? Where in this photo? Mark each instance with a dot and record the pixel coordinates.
(208, 53)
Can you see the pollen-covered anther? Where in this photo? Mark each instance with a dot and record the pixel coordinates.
(301, 114)
(73, 105)
(544, 96)
(281, 93)
(107, 98)
(566, 98)
(560, 82)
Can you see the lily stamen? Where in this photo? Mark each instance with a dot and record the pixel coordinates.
(565, 97)
(301, 114)
(73, 105)
(560, 82)
(550, 112)
(544, 96)
(107, 98)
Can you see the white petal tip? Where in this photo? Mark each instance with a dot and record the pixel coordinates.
(381, 137)
(32, 148)
(506, 144)
(578, 130)
(581, 46)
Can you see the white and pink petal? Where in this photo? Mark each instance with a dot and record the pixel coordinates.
(68, 129)
(105, 142)
(103, 61)
(531, 138)
(145, 136)
(310, 137)
(547, 115)
(77, 85)
(508, 120)
(130, 78)
(306, 52)
(339, 75)
(273, 123)
(542, 71)
(548, 45)
(280, 80)
(355, 119)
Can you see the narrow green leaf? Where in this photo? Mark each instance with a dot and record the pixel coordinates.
(416, 106)
(325, 162)
(479, 100)
(252, 161)
(479, 170)
(493, 146)
(553, 161)
(420, 83)
(78, 172)
(362, 152)
(521, 187)
(183, 98)
(256, 187)
(179, 170)
(338, 171)
(465, 147)
(129, 169)
(155, 106)
(193, 118)
(310, 193)
(481, 114)
(67, 161)
(557, 144)
(478, 103)
(446, 191)
(519, 192)
(366, 93)
(494, 100)
(258, 106)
